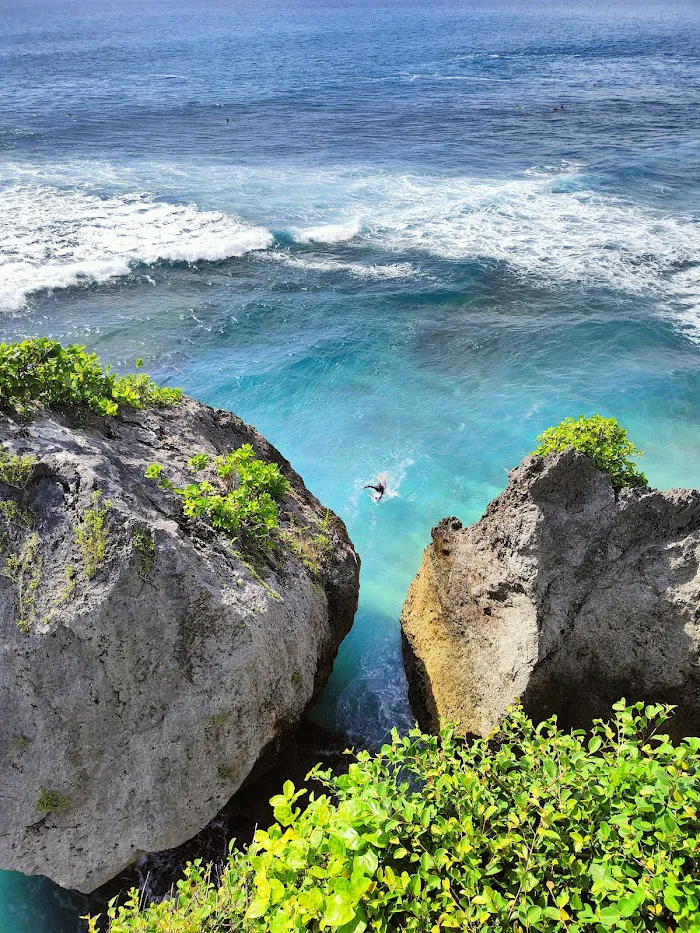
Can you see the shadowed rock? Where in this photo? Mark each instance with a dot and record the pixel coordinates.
(139, 700)
(565, 596)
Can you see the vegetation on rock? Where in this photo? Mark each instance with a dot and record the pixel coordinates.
(145, 546)
(39, 371)
(50, 801)
(603, 440)
(92, 534)
(313, 550)
(16, 469)
(20, 560)
(245, 502)
(534, 829)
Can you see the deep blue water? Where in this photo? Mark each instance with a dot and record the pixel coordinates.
(427, 231)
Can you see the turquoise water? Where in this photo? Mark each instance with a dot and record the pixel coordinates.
(399, 255)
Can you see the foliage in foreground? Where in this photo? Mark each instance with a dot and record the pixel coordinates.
(535, 829)
(603, 440)
(246, 500)
(40, 371)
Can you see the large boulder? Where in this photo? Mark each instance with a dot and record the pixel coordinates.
(565, 596)
(140, 687)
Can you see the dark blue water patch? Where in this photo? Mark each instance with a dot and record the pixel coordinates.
(129, 86)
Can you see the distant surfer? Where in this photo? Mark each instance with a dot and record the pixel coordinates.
(379, 488)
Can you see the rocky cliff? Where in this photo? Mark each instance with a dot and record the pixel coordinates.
(146, 664)
(565, 595)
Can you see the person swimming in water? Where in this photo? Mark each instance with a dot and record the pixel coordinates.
(380, 489)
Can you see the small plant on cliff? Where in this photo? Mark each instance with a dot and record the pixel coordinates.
(244, 499)
(20, 558)
(92, 534)
(40, 371)
(23, 568)
(50, 801)
(534, 829)
(70, 587)
(145, 547)
(603, 440)
(16, 469)
(313, 549)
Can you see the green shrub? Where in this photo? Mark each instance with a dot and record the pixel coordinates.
(532, 830)
(248, 508)
(39, 371)
(603, 440)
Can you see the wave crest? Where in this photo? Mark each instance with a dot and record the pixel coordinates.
(328, 233)
(58, 239)
(391, 270)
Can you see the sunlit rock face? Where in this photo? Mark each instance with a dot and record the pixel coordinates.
(565, 596)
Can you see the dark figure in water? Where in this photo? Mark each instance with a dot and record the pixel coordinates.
(380, 489)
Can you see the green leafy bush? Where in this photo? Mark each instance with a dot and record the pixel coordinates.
(603, 440)
(245, 502)
(40, 371)
(532, 830)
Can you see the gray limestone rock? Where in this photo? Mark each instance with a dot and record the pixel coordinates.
(564, 596)
(136, 702)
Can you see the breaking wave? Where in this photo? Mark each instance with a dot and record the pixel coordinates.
(391, 270)
(51, 239)
(550, 225)
(328, 233)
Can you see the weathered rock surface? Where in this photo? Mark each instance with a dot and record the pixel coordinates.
(138, 701)
(156, 873)
(564, 596)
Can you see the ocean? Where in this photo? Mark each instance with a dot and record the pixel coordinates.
(400, 237)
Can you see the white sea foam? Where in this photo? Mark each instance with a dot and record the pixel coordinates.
(390, 270)
(328, 233)
(684, 306)
(376, 699)
(551, 225)
(53, 239)
(545, 227)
